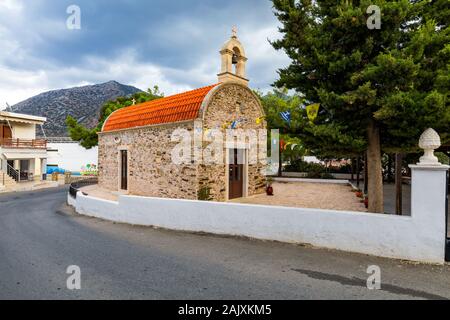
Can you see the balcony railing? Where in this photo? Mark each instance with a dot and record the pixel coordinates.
(23, 143)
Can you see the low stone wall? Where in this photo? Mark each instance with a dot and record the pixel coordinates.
(75, 179)
(59, 178)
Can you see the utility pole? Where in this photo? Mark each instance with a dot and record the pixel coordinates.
(358, 171)
(398, 184)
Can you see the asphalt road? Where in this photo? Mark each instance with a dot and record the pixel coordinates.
(40, 237)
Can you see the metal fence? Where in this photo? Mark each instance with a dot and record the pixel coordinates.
(23, 143)
(76, 186)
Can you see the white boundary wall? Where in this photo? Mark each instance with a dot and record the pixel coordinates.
(71, 156)
(420, 237)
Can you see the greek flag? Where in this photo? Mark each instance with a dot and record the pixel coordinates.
(286, 116)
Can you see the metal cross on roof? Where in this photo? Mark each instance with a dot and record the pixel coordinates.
(234, 31)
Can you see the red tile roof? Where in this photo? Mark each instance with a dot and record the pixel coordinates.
(179, 107)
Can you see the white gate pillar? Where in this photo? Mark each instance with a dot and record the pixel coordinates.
(429, 195)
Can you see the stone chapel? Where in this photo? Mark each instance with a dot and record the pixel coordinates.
(135, 144)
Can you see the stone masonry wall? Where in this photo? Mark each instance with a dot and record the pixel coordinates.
(232, 102)
(151, 170)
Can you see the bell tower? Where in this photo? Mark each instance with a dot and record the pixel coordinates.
(233, 61)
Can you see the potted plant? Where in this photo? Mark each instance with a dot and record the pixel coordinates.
(269, 188)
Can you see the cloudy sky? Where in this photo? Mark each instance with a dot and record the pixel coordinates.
(170, 43)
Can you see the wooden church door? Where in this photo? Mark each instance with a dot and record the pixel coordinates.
(236, 174)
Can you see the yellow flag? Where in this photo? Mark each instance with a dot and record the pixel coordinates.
(259, 120)
(313, 111)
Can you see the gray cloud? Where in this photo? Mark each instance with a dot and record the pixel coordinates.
(173, 44)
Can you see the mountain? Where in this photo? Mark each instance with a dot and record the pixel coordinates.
(82, 103)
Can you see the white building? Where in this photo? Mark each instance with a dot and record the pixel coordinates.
(67, 155)
(22, 156)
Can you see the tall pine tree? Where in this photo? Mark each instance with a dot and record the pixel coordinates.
(378, 88)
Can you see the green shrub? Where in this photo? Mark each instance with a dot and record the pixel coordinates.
(204, 194)
(314, 175)
(315, 169)
(327, 175)
(302, 166)
(343, 169)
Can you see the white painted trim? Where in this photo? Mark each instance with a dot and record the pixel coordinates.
(19, 117)
(107, 118)
(441, 167)
(206, 101)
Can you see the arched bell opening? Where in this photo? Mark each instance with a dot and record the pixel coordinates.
(233, 61)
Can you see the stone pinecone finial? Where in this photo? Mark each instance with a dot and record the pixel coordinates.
(429, 141)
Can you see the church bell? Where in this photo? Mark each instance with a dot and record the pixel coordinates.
(234, 59)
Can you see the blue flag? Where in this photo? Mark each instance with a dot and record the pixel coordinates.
(286, 116)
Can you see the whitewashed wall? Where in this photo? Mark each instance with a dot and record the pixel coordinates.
(71, 156)
(420, 237)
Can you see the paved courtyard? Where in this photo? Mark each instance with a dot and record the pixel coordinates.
(309, 195)
(97, 192)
